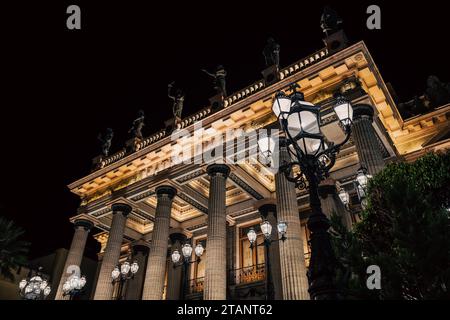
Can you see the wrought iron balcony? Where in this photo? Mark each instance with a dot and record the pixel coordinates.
(249, 274)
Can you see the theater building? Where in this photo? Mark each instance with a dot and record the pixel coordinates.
(148, 205)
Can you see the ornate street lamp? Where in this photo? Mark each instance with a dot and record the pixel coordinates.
(186, 250)
(35, 287)
(266, 229)
(361, 182)
(74, 286)
(311, 157)
(345, 197)
(122, 273)
(267, 147)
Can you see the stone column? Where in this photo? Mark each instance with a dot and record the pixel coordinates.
(330, 202)
(135, 285)
(215, 265)
(175, 274)
(365, 138)
(268, 212)
(75, 255)
(104, 289)
(292, 258)
(156, 266)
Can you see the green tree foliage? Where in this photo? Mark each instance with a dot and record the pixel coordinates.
(13, 251)
(404, 230)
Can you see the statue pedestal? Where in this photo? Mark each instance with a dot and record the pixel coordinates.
(216, 102)
(336, 41)
(96, 162)
(171, 124)
(130, 145)
(271, 75)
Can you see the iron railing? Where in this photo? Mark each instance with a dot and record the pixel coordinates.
(248, 274)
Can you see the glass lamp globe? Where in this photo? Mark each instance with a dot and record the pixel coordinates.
(36, 278)
(66, 286)
(303, 121)
(22, 284)
(199, 250)
(47, 290)
(134, 267)
(74, 282)
(363, 178)
(281, 105)
(344, 110)
(251, 235)
(282, 228)
(186, 250)
(43, 285)
(125, 267)
(361, 191)
(364, 203)
(344, 196)
(303, 127)
(266, 146)
(28, 289)
(82, 282)
(115, 273)
(266, 229)
(176, 256)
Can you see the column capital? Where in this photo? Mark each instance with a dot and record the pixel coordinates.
(174, 237)
(267, 208)
(216, 168)
(86, 224)
(166, 190)
(124, 208)
(363, 110)
(140, 246)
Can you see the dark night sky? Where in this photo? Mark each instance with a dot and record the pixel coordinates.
(60, 88)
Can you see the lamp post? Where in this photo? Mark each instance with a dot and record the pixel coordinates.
(186, 250)
(266, 229)
(313, 157)
(35, 287)
(74, 286)
(361, 181)
(122, 273)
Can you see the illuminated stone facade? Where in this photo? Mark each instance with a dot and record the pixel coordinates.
(197, 202)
